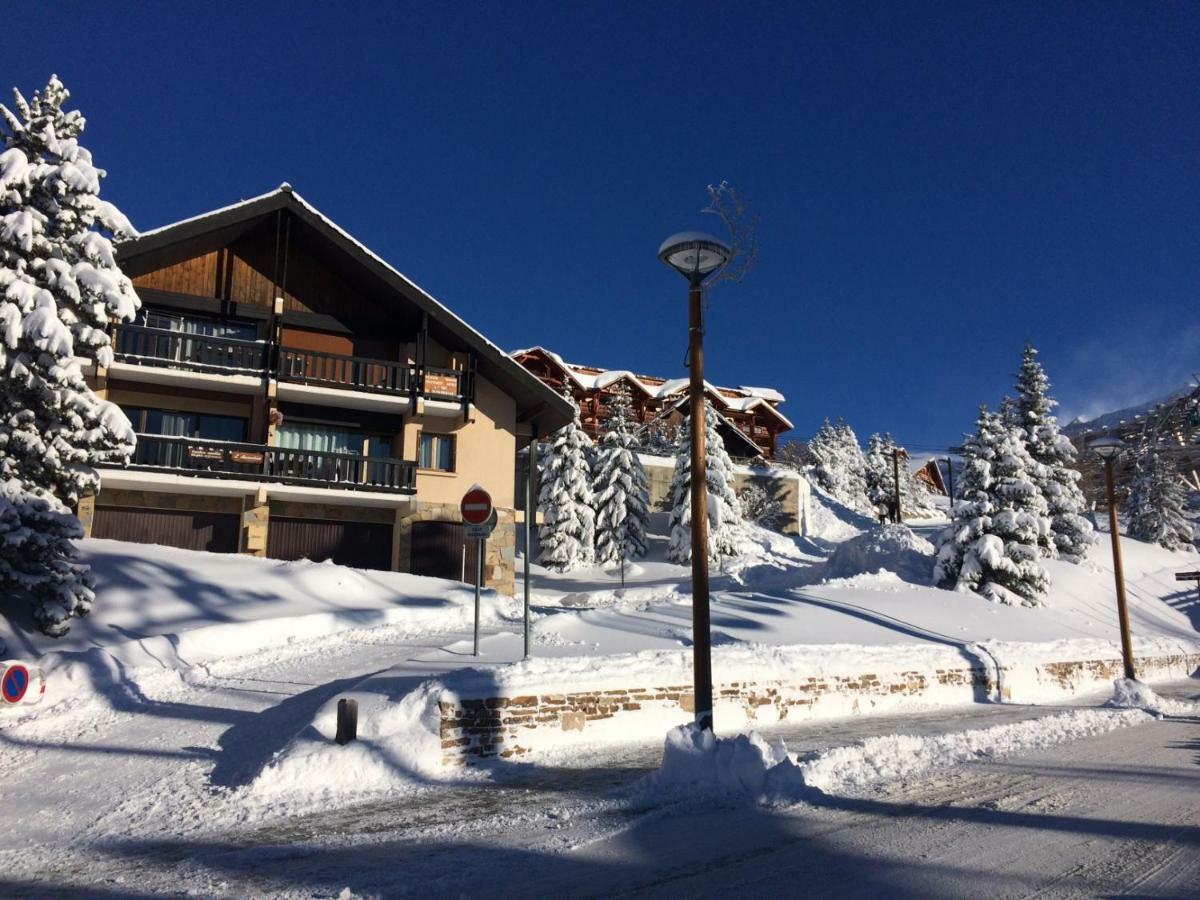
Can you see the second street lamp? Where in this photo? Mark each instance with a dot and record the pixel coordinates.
(1108, 449)
(695, 256)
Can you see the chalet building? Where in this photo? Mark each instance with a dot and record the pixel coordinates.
(750, 418)
(297, 397)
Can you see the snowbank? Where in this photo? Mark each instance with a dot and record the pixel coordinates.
(747, 766)
(1130, 694)
(890, 548)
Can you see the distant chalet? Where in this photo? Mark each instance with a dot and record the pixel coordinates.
(750, 416)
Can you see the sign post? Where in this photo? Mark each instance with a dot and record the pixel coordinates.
(479, 520)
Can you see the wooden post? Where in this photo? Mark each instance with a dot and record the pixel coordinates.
(347, 721)
(701, 635)
(899, 515)
(1118, 570)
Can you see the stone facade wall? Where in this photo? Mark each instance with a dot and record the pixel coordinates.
(510, 726)
(499, 564)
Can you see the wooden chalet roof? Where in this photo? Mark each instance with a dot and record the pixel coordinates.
(592, 377)
(534, 399)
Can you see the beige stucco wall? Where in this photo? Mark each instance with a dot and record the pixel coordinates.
(485, 449)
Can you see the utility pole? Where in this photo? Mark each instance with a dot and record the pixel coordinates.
(1118, 568)
(701, 628)
(899, 514)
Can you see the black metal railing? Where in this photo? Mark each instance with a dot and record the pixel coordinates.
(348, 372)
(227, 459)
(159, 346)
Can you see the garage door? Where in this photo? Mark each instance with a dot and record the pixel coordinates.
(214, 532)
(363, 545)
(439, 549)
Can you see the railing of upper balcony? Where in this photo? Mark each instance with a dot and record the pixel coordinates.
(347, 372)
(139, 343)
(177, 349)
(226, 459)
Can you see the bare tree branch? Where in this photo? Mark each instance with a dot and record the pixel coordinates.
(741, 224)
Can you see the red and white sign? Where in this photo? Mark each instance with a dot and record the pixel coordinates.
(476, 506)
(20, 683)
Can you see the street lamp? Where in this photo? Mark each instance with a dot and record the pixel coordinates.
(1108, 449)
(695, 256)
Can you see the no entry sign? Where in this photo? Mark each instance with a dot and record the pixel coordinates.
(476, 506)
(14, 683)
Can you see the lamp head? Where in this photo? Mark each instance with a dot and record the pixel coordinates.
(1107, 447)
(694, 254)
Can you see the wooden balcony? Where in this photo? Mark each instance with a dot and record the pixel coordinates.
(351, 373)
(258, 462)
(177, 349)
(159, 348)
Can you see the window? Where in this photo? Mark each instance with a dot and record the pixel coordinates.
(153, 318)
(185, 424)
(436, 452)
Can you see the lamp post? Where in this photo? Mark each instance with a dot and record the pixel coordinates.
(1108, 449)
(696, 256)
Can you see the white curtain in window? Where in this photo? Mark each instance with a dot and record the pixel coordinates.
(318, 438)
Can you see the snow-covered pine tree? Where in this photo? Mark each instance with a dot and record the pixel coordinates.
(725, 526)
(760, 507)
(991, 545)
(1057, 478)
(621, 489)
(840, 467)
(59, 287)
(880, 483)
(1158, 502)
(568, 530)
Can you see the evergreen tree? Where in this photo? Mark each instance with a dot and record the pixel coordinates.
(880, 472)
(621, 489)
(1057, 478)
(59, 287)
(840, 467)
(992, 544)
(725, 528)
(568, 530)
(1158, 502)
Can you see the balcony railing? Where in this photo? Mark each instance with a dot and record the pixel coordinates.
(258, 462)
(177, 349)
(347, 372)
(159, 346)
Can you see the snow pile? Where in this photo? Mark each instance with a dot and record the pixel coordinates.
(398, 748)
(1131, 694)
(747, 766)
(894, 756)
(830, 520)
(742, 766)
(891, 548)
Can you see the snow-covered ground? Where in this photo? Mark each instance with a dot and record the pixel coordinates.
(180, 717)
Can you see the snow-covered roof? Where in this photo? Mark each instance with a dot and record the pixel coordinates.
(515, 376)
(592, 378)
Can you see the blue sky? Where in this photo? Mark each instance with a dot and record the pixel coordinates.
(936, 183)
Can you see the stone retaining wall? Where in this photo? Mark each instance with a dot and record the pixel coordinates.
(513, 726)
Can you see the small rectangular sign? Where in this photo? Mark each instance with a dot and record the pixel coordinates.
(256, 537)
(441, 384)
(246, 456)
(208, 454)
(476, 532)
(1187, 576)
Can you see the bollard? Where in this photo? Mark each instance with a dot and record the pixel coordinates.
(347, 721)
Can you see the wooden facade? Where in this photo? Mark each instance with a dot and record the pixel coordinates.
(655, 399)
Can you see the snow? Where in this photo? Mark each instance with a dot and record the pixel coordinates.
(749, 766)
(892, 548)
(1131, 694)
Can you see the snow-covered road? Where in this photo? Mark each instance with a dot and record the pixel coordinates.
(136, 802)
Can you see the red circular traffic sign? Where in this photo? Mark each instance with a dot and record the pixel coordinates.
(15, 683)
(476, 506)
